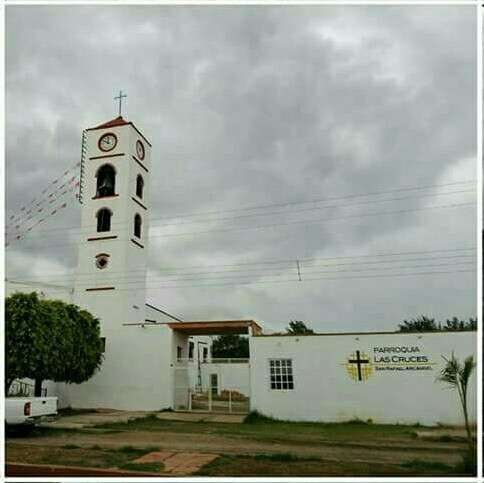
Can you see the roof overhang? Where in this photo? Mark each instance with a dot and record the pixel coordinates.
(118, 122)
(217, 327)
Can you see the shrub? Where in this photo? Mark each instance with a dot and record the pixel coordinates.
(256, 417)
(468, 464)
(357, 421)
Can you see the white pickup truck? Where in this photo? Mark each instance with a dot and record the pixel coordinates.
(28, 410)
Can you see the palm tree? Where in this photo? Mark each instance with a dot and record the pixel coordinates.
(457, 376)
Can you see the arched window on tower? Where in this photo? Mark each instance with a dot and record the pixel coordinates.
(104, 219)
(106, 181)
(139, 186)
(137, 225)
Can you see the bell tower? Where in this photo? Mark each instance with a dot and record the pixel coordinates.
(111, 273)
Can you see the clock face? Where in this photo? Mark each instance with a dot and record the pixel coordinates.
(107, 142)
(140, 149)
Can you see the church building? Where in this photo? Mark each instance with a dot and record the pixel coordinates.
(153, 360)
(150, 361)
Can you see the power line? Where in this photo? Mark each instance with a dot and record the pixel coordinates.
(281, 261)
(289, 264)
(295, 280)
(295, 222)
(320, 220)
(138, 284)
(81, 230)
(320, 200)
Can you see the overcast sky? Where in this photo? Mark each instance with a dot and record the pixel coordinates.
(250, 106)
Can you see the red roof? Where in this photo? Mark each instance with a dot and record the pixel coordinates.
(119, 121)
(216, 327)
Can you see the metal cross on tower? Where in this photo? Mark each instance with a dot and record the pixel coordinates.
(120, 97)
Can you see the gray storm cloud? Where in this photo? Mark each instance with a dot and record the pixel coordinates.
(249, 106)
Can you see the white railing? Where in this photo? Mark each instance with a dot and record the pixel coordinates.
(228, 400)
(213, 360)
(229, 360)
(24, 389)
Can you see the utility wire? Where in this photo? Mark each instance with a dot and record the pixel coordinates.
(281, 261)
(293, 203)
(258, 227)
(288, 264)
(118, 225)
(294, 280)
(139, 284)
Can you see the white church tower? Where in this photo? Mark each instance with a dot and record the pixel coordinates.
(111, 273)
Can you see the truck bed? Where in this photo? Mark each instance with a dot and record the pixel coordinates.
(25, 410)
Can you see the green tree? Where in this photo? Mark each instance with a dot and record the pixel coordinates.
(420, 324)
(457, 375)
(230, 346)
(298, 327)
(426, 324)
(455, 324)
(49, 340)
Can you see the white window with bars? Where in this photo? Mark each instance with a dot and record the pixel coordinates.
(282, 377)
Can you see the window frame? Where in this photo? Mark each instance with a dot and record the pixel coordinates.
(104, 208)
(139, 178)
(137, 216)
(104, 166)
(191, 350)
(276, 378)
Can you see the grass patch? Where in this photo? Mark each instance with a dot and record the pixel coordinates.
(71, 446)
(281, 457)
(260, 466)
(358, 421)
(468, 464)
(426, 465)
(132, 449)
(446, 438)
(147, 467)
(258, 427)
(125, 449)
(92, 457)
(74, 411)
(256, 417)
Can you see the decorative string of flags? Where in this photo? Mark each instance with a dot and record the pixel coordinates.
(46, 212)
(35, 205)
(46, 204)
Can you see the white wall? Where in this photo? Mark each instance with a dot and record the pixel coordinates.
(126, 270)
(324, 391)
(135, 375)
(136, 365)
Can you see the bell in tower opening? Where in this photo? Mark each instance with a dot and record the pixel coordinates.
(106, 178)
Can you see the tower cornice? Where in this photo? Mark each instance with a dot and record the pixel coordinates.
(118, 122)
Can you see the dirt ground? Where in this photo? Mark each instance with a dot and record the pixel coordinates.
(355, 451)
